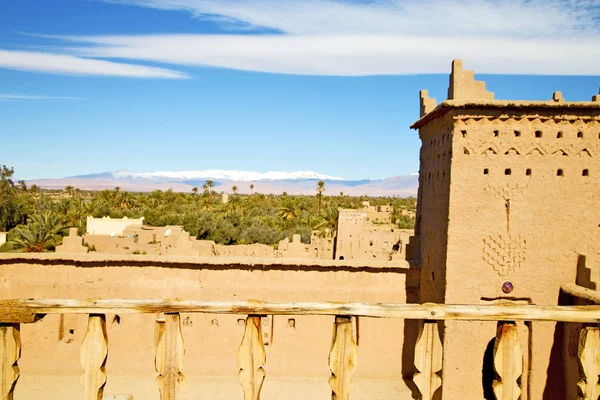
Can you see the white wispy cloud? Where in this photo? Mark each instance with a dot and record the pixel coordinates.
(369, 37)
(21, 97)
(343, 37)
(351, 55)
(521, 18)
(70, 64)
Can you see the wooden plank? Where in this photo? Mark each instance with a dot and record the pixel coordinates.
(169, 358)
(589, 363)
(10, 352)
(428, 360)
(581, 292)
(497, 312)
(251, 358)
(16, 312)
(508, 362)
(342, 358)
(93, 354)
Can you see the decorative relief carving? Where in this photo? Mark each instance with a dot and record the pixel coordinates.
(504, 253)
(510, 190)
(584, 153)
(537, 151)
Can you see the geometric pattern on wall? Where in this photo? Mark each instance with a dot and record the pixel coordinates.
(504, 253)
(508, 191)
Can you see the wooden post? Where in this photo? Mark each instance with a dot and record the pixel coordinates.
(10, 352)
(342, 359)
(508, 362)
(428, 360)
(169, 358)
(251, 358)
(589, 363)
(93, 354)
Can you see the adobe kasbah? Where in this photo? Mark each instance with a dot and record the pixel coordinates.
(494, 295)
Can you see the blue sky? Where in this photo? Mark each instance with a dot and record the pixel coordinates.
(265, 85)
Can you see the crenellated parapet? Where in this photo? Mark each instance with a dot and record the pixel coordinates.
(463, 85)
(427, 103)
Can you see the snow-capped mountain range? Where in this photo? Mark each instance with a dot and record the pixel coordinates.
(299, 182)
(230, 175)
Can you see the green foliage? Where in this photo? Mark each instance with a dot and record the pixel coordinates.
(29, 214)
(42, 233)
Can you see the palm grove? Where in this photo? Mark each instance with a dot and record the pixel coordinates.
(36, 220)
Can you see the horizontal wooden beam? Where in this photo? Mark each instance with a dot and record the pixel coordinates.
(12, 311)
(581, 292)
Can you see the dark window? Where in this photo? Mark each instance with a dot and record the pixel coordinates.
(507, 171)
(580, 135)
(538, 134)
(496, 133)
(528, 172)
(486, 171)
(559, 135)
(517, 133)
(585, 172)
(559, 172)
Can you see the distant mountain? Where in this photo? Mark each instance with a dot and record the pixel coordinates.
(300, 182)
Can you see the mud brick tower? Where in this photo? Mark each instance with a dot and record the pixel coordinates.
(508, 211)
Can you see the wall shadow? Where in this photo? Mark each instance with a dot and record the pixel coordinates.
(412, 328)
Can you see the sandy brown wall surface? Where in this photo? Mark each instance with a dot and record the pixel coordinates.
(295, 354)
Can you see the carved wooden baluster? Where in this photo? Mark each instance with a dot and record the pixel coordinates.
(93, 354)
(428, 360)
(251, 358)
(589, 363)
(10, 352)
(169, 358)
(508, 362)
(342, 359)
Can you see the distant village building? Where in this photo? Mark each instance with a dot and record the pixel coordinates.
(368, 233)
(73, 243)
(110, 226)
(2, 238)
(362, 234)
(319, 247)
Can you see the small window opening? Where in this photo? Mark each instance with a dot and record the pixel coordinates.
(517, 133)
(464, 133)
(496, 133)
(559, 135)
(507, 171)
(559, 172)
(580, 135)
(585, 172)
(538, 134)
(466, 151)
(486, 171)
(528, 172)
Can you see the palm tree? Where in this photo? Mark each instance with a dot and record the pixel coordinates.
(252, 188)
(289, 211)
(320, 190)
(69, 189)
(210, 184)
(194, 190)
(42, 232)
(329, 222)
(234, 204)
(234, 189)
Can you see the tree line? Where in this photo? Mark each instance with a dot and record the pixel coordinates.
(36, 220)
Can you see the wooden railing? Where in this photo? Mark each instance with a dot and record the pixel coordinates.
(343, 357)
